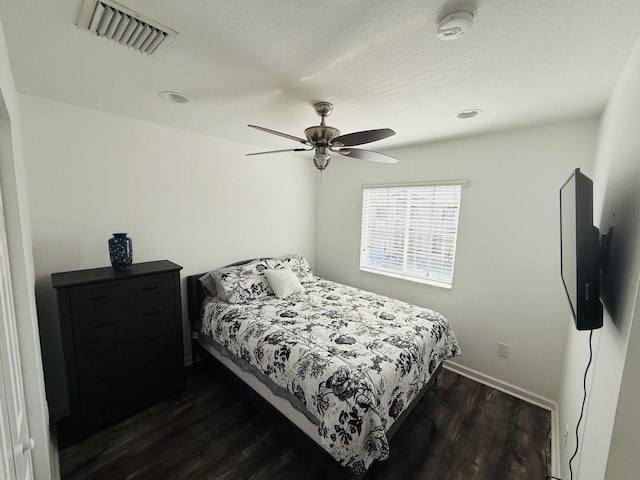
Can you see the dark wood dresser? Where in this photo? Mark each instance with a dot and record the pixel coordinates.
(122, 340)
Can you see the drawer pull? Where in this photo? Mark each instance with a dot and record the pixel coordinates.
(101, 297)
(155, 312)
(103, 325)
(153, 287)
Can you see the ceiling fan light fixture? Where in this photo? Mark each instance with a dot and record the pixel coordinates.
(321, 158)
(324, 139)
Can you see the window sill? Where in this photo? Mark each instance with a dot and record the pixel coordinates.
(410, 278)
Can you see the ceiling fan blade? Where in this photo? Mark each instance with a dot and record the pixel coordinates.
(279, 151)
(366, 155)
(285, 135)
(358, 138)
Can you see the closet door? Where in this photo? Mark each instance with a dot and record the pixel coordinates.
(15, 458)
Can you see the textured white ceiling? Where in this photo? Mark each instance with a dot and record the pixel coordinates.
(265, 62)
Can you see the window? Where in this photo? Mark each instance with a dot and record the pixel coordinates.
(410, 231)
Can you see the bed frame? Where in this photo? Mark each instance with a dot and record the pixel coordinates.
(195, 297)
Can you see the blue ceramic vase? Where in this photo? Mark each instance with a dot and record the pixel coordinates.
(121, 252)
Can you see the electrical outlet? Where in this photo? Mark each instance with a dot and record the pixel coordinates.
(503, 350)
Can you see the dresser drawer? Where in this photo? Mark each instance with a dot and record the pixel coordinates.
(108, 323)
(122, 376)
(120, 389)
(108, 295)
(102, 352)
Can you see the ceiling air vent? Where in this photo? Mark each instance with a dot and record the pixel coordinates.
(108, 19)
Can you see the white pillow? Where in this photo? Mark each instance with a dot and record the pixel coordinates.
(298, 264)
(283, 282)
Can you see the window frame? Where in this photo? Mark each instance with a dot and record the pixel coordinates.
(403, 273)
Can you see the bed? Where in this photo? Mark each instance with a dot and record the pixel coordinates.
(340, 368)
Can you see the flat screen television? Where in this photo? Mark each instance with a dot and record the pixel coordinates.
(580, 251)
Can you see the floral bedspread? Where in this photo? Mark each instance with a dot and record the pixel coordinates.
(355, 359)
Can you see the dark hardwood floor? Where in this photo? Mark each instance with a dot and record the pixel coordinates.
(460, 430)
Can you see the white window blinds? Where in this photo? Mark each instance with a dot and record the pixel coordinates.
(410, 232)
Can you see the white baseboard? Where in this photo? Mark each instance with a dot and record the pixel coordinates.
(505, 387)
(522, 394)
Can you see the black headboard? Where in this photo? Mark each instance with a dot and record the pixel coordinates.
(195, 296)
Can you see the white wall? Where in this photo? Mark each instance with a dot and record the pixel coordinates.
(507, 275)
(609, 436)
(620, 156)
(16, 212)
(192, 199)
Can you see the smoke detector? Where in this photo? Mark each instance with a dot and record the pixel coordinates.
(455, 22)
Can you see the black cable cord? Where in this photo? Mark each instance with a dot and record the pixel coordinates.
(584, 400)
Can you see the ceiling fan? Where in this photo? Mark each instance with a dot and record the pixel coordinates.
(325, 139)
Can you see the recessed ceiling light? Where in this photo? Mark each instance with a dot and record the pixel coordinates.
(174, 97)
(474, 112)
